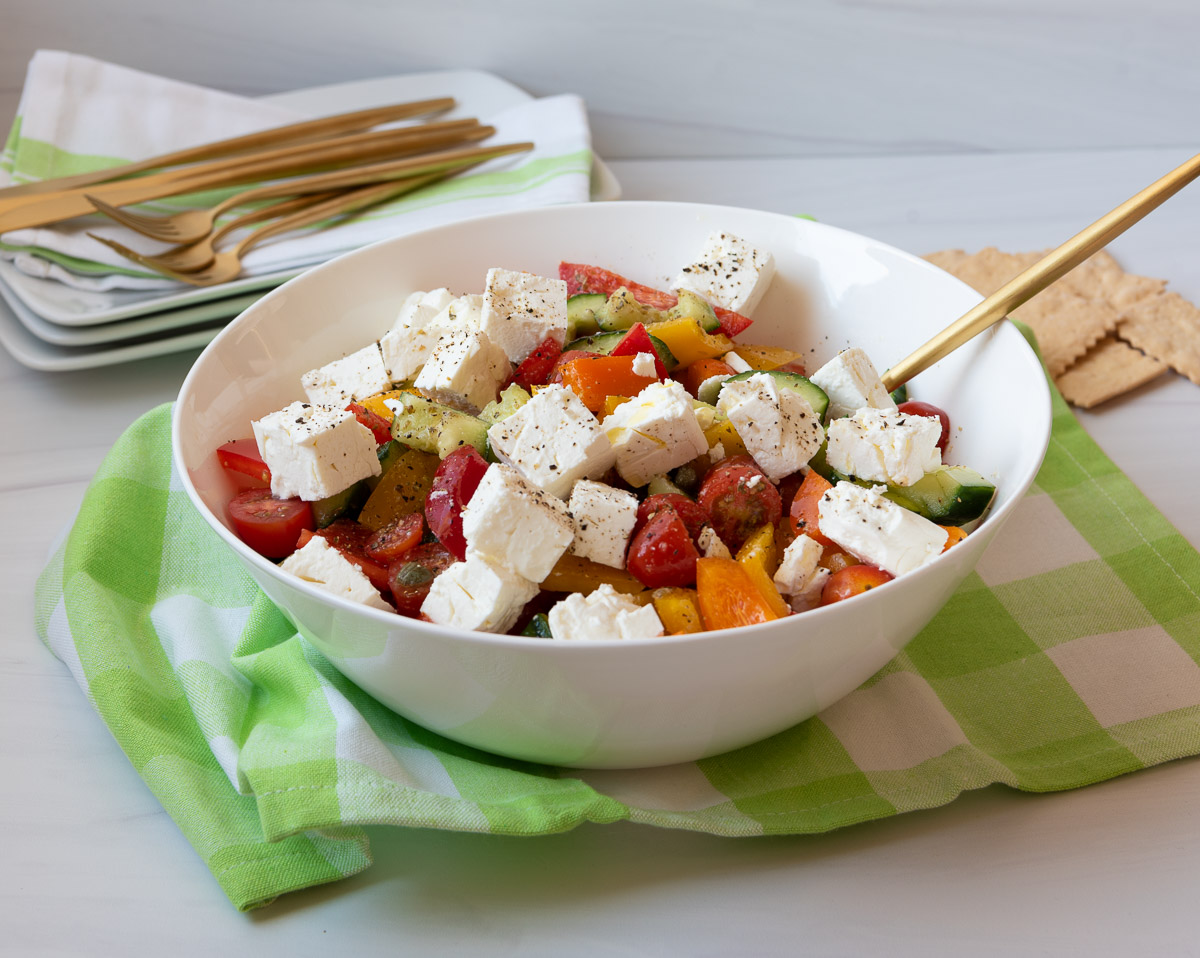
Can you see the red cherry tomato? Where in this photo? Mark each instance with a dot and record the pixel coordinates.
(412, 574)
(637, 340)
(268, 525)
(454, 484)
(803, 513)
(795, 366)
(380, 427)
(915, 408)
(535, 368)
(396, 538)
(692, 513)
(661, 553)
(739, 498)
(350, 539)
(852, 580)
(241, 458)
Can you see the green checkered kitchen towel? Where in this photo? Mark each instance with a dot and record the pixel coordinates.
(1069, 656)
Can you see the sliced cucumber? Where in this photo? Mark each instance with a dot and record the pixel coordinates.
(339, 504)
(692, 306)
(900, 394)
(606, 342)
(622, 310)
(582, 310)
(710, 389)
(433, 427)
(661, 485)
(538, 627)
(950, 495)
(512, 399)
(795, 382)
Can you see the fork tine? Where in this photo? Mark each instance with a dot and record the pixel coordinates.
(128, 253)
(154, 226)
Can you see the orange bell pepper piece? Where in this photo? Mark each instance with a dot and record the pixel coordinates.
(956, 535)
(703, 369)
(573, 573)
(765, 357)
(678, 610)
(759, 558)
(592, 378)
(727, 597)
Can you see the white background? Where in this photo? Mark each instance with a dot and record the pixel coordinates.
(927, 124)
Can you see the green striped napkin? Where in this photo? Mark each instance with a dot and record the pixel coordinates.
(1069, 656)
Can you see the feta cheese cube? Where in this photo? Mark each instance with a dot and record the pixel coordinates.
(778, 427)
(810, 596)
(798, 565)
(553, 440)
(604, 614)
(654, 432)
(604, 520)
(465, 370)
(644, 365)
(523, 310)
(314, 451)
(325, 567)
(406, 346)
(884, 445)
(479, 595)
(514, 524)
(736, 362)
(729, 272)
(352, 378)
(877, 530)
(712, 546)
(851, 381)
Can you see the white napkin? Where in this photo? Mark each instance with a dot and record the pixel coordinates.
(77, 114)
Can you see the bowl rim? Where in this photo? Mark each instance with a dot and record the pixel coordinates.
(520, 642)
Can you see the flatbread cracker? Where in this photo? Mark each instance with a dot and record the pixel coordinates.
(1166, 327)
(1066, 322)
(1107, 370)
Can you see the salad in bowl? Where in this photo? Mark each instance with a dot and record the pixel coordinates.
(610, 484)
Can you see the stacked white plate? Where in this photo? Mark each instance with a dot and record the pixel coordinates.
(48, 326)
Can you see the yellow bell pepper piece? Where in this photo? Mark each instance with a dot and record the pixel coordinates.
(759, 558)
(573, 573)
(375, 403)
(678, 610)
(612, 402)
(401, 491)
(688, 341)
(722, 432)
(765, 357)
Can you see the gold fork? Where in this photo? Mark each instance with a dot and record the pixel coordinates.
(194, 256)
(187, 226)
(226, 265)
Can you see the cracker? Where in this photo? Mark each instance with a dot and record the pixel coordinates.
(1107, 370)
(1166, 327)
(1065, 320)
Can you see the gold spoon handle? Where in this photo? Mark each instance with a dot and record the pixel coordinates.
(1041, 274)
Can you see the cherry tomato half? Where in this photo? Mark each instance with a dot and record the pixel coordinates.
(739, 498)
(692, 513)
(915, 408)
(454, 483)
(852, 580)
(396, 538)
(661, 553)
(241, 458)
(410, 576)
(268, 525)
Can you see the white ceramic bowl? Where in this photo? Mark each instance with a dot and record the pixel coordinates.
(634, 703)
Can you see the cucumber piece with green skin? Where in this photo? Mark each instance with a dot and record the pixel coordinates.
(900, 394)
(949, 495)
(582, 309)
(693, 306)
(432, 427)
(539, 627)
(795, 382)
(710, 389)
(605, 343)
(512, 399)
(339, 504)
(662, 485)
(622, 310)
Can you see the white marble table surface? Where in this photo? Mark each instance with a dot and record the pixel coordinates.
(93, 866)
